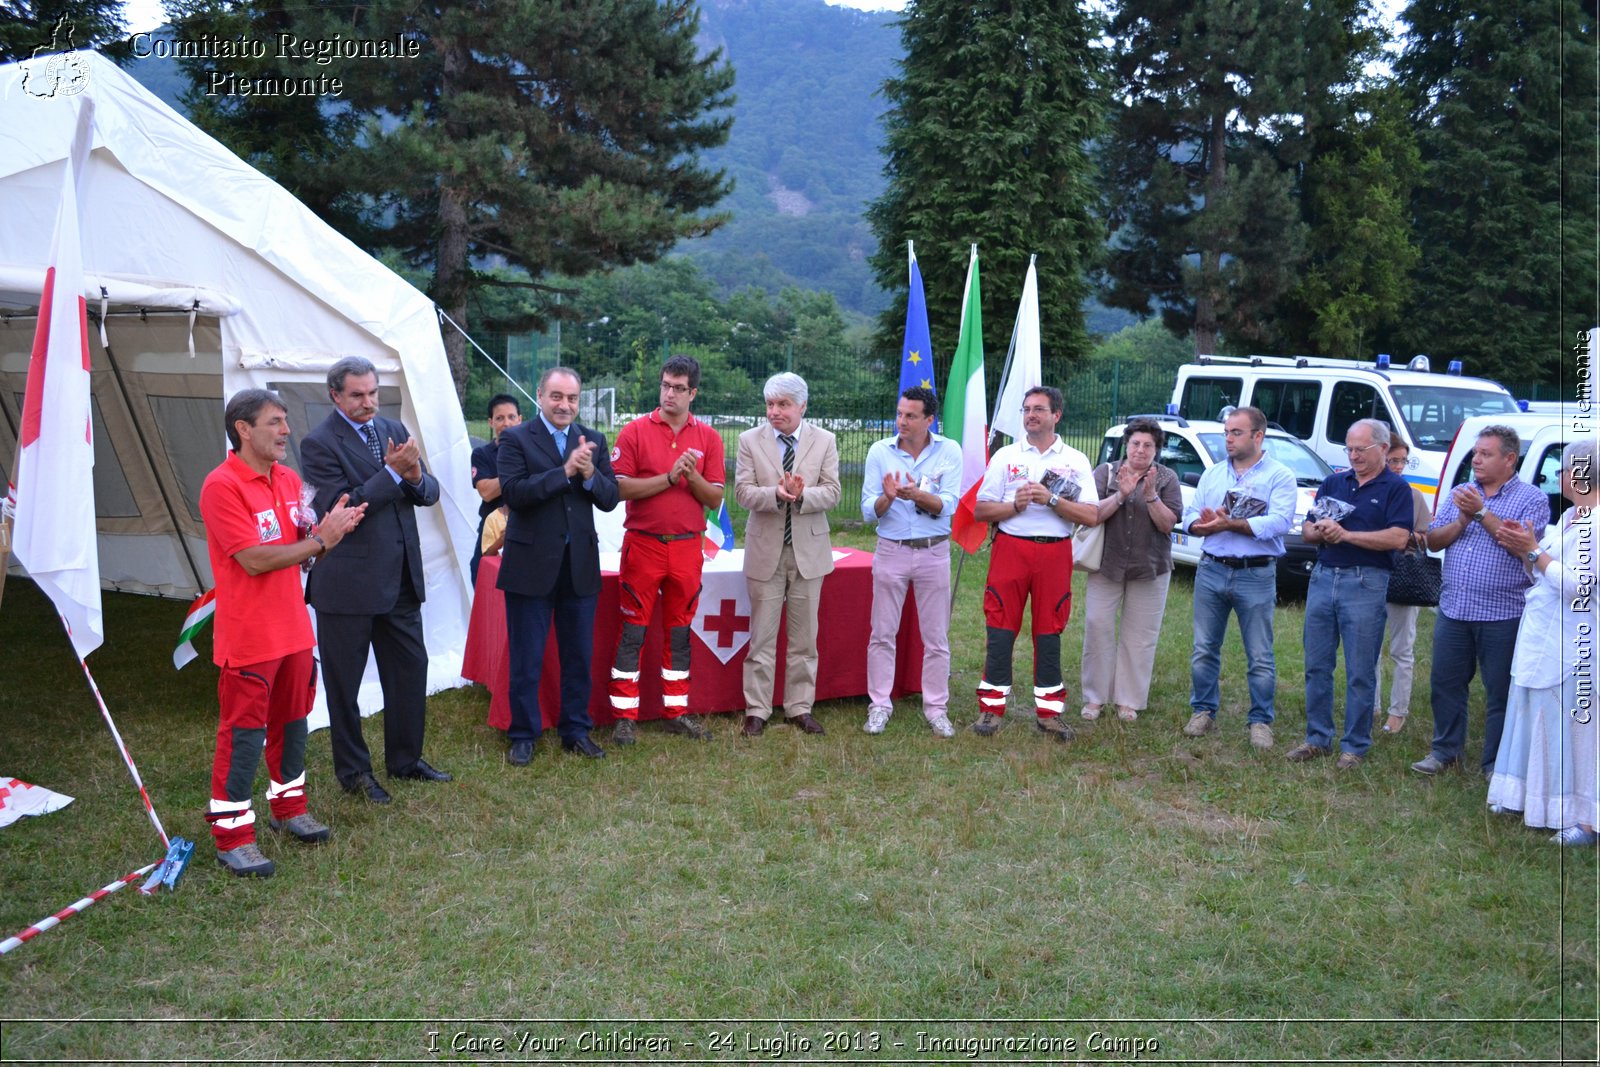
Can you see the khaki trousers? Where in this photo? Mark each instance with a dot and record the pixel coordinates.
(1117, 665)
(767, 599)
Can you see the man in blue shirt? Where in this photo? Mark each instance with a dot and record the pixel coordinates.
(1242, 508)
(1482, 596)
(1349, 590)
(909, 489)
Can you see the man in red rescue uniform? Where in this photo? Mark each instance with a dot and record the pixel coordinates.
(670, 469)
(258, 533)
(1036, 489)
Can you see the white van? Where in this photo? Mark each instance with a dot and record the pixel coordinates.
(1317, 399)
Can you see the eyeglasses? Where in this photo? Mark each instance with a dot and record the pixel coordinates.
(1036, 411)
(1357, 451)
(673, 387)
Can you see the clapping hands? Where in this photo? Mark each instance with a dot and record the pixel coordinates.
(580, 463)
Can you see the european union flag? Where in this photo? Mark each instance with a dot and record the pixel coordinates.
(916, 354)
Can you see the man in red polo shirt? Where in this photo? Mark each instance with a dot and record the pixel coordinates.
(258, 533)
(670, 469)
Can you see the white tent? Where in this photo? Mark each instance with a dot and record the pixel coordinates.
(207, 278)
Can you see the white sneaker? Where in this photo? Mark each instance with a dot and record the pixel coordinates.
(877, 719)
(941, 726)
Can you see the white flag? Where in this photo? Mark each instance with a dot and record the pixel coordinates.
(1025, 372)
(55, 536)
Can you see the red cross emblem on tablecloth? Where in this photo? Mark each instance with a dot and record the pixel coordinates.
(727, 622)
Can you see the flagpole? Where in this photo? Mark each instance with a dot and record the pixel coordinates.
(127, 758)
(1011, 351)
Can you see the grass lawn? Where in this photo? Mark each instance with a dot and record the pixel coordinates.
(757, 900)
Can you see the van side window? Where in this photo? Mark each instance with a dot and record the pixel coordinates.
(1180, 455)
(1547, 478)
(1352, 401)
(1291, 404)
(1204, 398)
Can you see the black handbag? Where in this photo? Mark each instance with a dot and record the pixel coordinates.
(1416, 578)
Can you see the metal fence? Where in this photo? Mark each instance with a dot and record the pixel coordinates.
(853, 394)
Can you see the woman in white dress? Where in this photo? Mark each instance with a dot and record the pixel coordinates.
(1548, 766)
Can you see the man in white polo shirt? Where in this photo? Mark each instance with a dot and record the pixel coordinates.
(1036, 489)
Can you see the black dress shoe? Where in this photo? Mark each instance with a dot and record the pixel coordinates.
(520, 753)
(421, 772)
(753, 725)
(583, 746)
(366, 785)
(807, 723)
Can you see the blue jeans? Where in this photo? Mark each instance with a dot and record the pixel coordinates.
(1249, 592)
(1344, 605)
(1460, 649)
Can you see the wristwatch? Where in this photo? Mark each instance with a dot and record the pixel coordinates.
(1533, 557)
(1055, 498)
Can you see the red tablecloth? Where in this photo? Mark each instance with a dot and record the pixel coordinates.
(843, 628)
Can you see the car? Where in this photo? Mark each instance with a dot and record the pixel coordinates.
(1192, 446)
(1542, 434)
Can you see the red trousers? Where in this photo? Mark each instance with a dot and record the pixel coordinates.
(264, 706)
(653, 569)
(1022, 570)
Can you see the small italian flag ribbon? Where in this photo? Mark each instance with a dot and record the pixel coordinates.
(200, 612)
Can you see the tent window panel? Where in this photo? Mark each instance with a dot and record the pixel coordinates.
(308, 405)
(192, 434)
(113, 497)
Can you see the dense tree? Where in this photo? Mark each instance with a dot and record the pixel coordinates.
(1360, 252)
(537, 134)
(1504, 98)
(1219, 103)
(991, 115)
(27, 26)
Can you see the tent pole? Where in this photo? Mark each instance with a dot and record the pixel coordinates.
(149, 458)
(5, 525)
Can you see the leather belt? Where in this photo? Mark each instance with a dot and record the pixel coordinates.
(667, 539)
(916, 542)
(1240, 563)
(1035, 539)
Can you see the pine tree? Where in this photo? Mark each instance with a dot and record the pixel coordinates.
(61, 26)
(1361, 250)
(541, 135)
(1219, 105)
(1504, 99)
(990, 119)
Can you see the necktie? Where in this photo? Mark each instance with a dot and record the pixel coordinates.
(788, 468)
(370, 432)
(561, 443)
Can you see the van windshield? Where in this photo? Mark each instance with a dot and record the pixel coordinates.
(1433, 413)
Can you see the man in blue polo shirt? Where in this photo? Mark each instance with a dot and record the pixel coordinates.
(1346, 601)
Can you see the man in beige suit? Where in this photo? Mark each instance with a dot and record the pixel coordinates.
(786, 477)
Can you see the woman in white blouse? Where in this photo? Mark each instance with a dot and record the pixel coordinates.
(1549, 762)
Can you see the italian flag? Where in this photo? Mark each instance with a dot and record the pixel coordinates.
(205, 606)
(964, 405)
(718, 535)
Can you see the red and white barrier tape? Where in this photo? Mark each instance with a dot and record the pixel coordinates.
(72, 909)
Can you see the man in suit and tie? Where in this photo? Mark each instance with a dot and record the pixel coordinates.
(370, 594)
(553, 474)
(787, 477)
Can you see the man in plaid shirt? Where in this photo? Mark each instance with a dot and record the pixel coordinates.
(1481, 600)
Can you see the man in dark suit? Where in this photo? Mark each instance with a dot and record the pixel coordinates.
(553, 474)
(370, 595)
